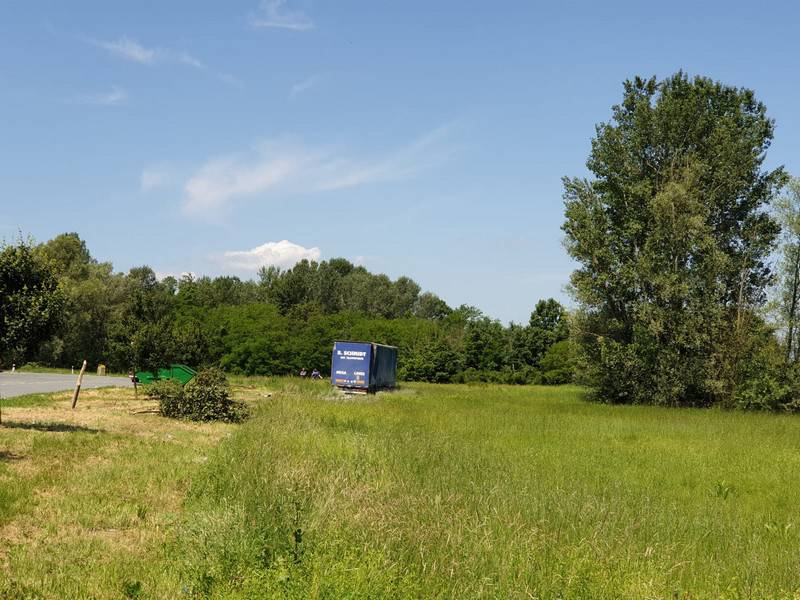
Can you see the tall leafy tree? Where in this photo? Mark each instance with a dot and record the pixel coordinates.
(68, 255)
(92, 293)
(430, 306)
(30, 301)
(405, 292)
(548, 325)
(672, 236)
(484, 345)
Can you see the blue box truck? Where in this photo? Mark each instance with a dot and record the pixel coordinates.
(363, 366)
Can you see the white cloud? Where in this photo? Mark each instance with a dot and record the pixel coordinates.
(129, 49)
(230, 79)
(187, 59)
(156, 176)
(425, 152)
(274, 13)
(220, 181)
(115, 97)
(306, 84)
(283, 254)
(282, 168)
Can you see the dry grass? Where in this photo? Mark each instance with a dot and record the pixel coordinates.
(87, 496)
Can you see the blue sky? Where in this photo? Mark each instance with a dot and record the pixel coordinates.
(419, 138)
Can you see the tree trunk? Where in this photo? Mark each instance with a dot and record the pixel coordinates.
(793, 303)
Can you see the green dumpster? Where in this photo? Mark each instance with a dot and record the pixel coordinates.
(181, 373)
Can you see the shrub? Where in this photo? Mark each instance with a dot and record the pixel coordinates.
(771, 383)
(204, 398)
(169, 394)
(523, 375)
(207, 397)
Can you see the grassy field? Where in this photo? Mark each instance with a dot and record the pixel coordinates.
(432, 491)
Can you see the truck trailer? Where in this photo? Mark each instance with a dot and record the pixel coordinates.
(363, 366)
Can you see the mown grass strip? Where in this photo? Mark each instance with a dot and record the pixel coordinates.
(87, 497)
(29, 400)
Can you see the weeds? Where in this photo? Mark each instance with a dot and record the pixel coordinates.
(721, 489)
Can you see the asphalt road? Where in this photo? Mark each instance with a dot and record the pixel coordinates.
(19, 384)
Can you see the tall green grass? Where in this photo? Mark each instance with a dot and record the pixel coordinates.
(492, 491)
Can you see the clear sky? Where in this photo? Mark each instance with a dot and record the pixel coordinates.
(420, 138)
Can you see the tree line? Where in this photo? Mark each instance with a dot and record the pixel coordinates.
(687, 287)
(61, 305)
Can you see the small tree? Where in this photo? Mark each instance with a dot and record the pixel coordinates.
(152, 347)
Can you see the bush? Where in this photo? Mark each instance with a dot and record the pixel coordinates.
(770, 383)
(204, 398)
(169, 393)
(524, 375)
(207, 398)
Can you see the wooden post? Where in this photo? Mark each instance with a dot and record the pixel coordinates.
(135, 382)
(78, 385)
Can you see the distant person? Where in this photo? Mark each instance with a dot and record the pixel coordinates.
(303, 372)
(315, 374)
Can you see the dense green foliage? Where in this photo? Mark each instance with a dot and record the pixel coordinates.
(284, 322)
(169, 394)
(673, 236)
(206, 397)
(30, 302)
